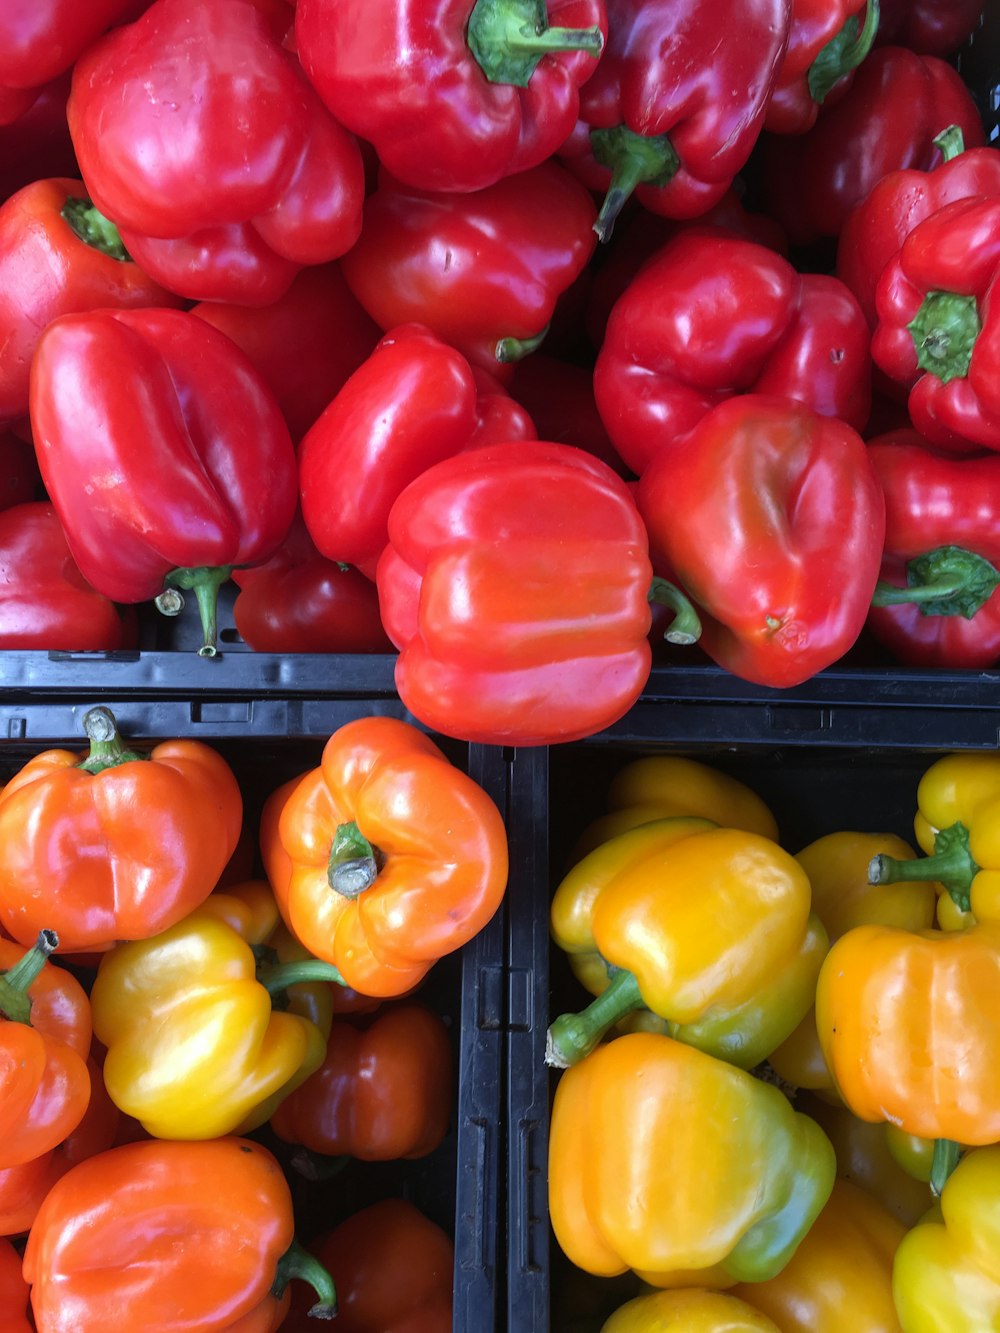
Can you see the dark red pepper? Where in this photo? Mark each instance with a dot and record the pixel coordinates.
(213, 484)
(676, 102)
(889, 119)
(57, 257)
(453, 94)
(482, 270)
(37, 144)
(929, 27)
(827, 41)
(936, 503)
(45, 602)
(19, 477)
(711, 316)
(199, 136)
(559, 397)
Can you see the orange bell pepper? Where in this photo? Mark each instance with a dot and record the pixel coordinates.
(385, 857)
(13, 1291)
(115, 845)
(160, 1236)
(907, 1023)
(383, 1091)
(45, 1031)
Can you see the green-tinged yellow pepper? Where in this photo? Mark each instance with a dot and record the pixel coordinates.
(946, 1276)
(195, 1046)
(839, 1280)
(664, 785)
(688, 1311)
(708, 928)
(958, 824)
(686, 1169)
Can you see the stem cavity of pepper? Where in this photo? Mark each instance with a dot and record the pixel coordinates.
(508, 39)
(944, 332)
(354, 863)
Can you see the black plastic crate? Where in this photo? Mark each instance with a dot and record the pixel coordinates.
(843, 751)
(268, 739)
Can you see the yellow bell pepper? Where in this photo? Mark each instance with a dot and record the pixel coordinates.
(686, 1169)
(688, 1311)
(946, 1276)
(839, 1280)
(195, 1048)
(709, 928)
(665, 785)
(958, 824)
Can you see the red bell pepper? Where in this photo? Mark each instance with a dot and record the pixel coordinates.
(453, 94)
(215, 483)
(677, 101)
(301, 602)
(876, 227)
(827, 41)
(711, 316)
(45, 1032)
(306, 344)
(889, 119)
(199, 136)
(516, 588)
(482, 270)
(37, 144)
(56, 258)
(772, 519)
(559, 396)
(938, 330)
(929, 27)
(384, 1091)
(45, 602)
(935, 503)
(14, 1291)
(393, 1269)
(414, 402)
(19, 478)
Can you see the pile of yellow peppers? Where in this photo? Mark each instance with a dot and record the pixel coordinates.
(781, 1107)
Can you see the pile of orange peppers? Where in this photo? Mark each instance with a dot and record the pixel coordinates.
(781, 1108)
(168, 1022)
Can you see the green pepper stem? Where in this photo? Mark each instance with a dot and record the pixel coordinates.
(277, 977)
(842, 53)
(633, 159)
(107, 749)
(888, 594)
(15, 1002)
(951, 865)
(508, 39)
(948, 581)
(204, 581)
(354, 863)
(94, 229)
(944, 332)
(297, 1262)
(946, 1157)
(950, 142)
(685, 627)
(509, 350)
(573, 1036)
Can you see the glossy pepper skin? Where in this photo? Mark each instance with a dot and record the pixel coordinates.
(712, 316)
(195, 1046)
(813, 180)
(796, 473)
(877, 226)
(392, 1267)
(709, 928)
(840, 1277)
(827, 40)
(642, 1174)
(199, 137)
(386, 856)
(121, 849)
(516, 587)
(453, 95)
(694, 1310)
(677, 102)
(482, 270)
(14, 1291)
(936, 330)
(215, 484)
(414, 402)
(301, 602)
(383, 1092)
(935, 500)
(45, 1030)
(896, 1052)
(55, 260)
(45, 602)
(154, 1235)
(945, 1275)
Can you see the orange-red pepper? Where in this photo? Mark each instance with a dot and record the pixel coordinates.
(13, 1291)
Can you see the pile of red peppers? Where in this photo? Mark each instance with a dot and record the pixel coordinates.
(533, 340)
